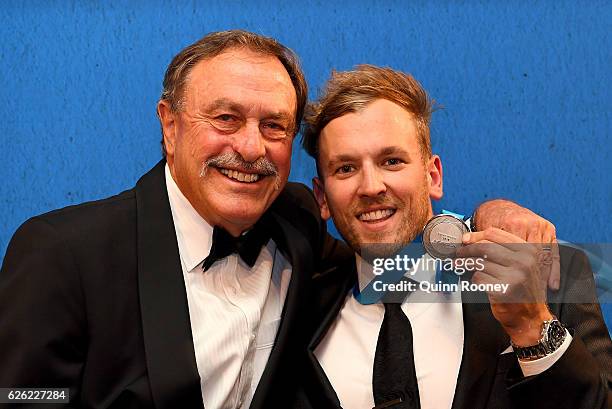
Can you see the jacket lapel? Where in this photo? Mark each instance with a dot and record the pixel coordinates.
(168, 342)
(276, 386)
(484, 341)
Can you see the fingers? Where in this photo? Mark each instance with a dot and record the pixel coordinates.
(519, 225)
(492, 273)
(517, 220)
(487, 250)
(495, 245)
(547, 236)
(550, 236)
(508, 250)
(554, 280)
(535, 236)
(523, 287)
(543, 234)
(541, 231)
(494, 235)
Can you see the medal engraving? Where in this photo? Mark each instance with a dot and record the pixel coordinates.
(442, 236)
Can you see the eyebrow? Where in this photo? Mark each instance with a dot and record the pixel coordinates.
(281, 116)
(223, 103)
(390, 150)
(333, 162)
(234, 106)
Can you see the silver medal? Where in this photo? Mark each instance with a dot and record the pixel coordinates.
(442, 236)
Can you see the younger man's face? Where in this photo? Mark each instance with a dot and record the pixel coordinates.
(374, 182)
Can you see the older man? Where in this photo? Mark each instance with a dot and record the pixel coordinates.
(139, 300)
(188, 289)
(369, 133)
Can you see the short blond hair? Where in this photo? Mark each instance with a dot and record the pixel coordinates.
(351, 91)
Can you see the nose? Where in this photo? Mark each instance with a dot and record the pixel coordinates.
(249, 143)
(372, 182)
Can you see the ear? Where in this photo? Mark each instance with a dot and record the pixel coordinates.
(319, 192)
(434, 177)
(168, 119)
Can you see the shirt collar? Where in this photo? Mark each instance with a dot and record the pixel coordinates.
(193, 233)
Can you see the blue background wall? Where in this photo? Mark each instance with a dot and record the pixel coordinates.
(525, 86)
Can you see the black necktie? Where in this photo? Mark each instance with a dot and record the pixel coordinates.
(246, 245)
(394, 378)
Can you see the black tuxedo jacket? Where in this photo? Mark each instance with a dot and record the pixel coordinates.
(582, 377)
(92, 298)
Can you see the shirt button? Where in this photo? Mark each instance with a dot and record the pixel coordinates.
(253, 336)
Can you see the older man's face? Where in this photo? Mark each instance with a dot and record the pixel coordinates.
(229, 148)
(375, 183)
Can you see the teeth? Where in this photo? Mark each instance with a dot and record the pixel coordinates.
(376, 215)
(240, 176)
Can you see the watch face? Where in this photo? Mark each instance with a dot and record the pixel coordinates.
(442, 236)
(553, 336)
(556, 334)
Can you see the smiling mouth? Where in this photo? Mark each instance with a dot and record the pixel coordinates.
(241, 176)
(376, 215)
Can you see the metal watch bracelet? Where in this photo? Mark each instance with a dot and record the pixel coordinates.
(553, 335)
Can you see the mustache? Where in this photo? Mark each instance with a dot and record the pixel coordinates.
(262, 165)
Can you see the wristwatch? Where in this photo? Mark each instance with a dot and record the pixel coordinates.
(553, 335)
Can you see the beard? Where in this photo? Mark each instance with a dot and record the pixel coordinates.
(414, 215)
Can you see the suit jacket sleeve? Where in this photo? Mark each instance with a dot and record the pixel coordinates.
(297, 205)
(41, 311)
(582, 377)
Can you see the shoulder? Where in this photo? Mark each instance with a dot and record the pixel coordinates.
(576, 263)
(297, 196)
(577, 281)
(297, 205)
(87, 226)
(92, 217)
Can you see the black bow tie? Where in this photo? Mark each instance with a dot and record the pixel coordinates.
(247, 245)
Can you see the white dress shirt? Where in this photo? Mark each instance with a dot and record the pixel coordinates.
(234, 310)
(347, 351)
